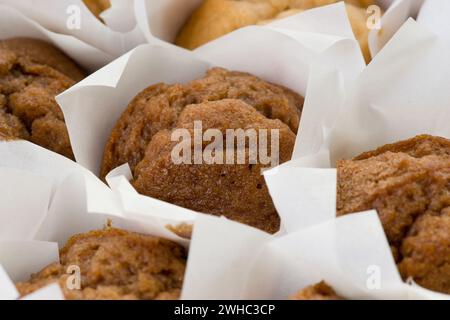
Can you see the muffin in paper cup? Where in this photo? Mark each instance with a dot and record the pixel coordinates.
(191, 28)
(391, 120)
(350, 254)
(101, 98)
(57, 201)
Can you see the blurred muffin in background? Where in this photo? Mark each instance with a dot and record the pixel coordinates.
(32, 73)
(215, 18)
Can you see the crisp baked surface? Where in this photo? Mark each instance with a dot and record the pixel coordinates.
(159, 106)
(221, 100)
(42, 53)
(28, 109)
(116, 264)
(215, 18)
(237, 191)
(319, 291)
(97, 6)
(408, 183)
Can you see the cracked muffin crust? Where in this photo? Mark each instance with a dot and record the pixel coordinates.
(221, 100)
(116, 264)
(29, 81)
(408, 183)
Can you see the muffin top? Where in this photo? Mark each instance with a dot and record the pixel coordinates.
(159, 106)
(33, 51)
(115, 264)
(408, 183)
(222, 100)
(28, 87)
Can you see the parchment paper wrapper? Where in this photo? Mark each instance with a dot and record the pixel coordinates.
(91, 43)
(101, 98)
(228, 260)
(164, 19)
(402, 93)
(46, 199)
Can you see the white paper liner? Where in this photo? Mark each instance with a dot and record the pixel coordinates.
(393, 99)
(74, 199)
(47, 199)
(434, 16)
(101, 98)
(15, 24)
(164, 19)
(8, 290)
(50, 292)
(233, 261)
(92, 44)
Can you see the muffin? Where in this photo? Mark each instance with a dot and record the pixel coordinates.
(32, 73)
(222, 100)
(97, 6)
(215, 18)
(115, 265)
(319, 291)
(408, 183)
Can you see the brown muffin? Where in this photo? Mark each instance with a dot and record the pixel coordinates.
(408, 183)
(215, 18)
(28, 87)
(221, 100)
(159, 106)
(426, 252)
(97, 6)
(33, 51)
(319, 291)
(116, 264)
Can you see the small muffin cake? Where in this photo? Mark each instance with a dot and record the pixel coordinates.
(319, 291)
(215, 18)
(222, 100)
(408, 183)
(115, 265)
(32, 73)
(97, 6)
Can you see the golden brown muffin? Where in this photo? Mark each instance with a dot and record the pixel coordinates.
(235, 191)
(221, 100)
(426, 252)
(33, 51)
(116, 264)
(28, 109)
(159, 106)
(97, 6)
(319, 291)
(215, 18)
(408, 183)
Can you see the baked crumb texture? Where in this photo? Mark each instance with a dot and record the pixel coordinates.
(116, 264)
(408, 183)
(32, 73)
(221, 100)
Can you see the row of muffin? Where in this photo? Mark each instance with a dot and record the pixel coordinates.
(405, 182)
